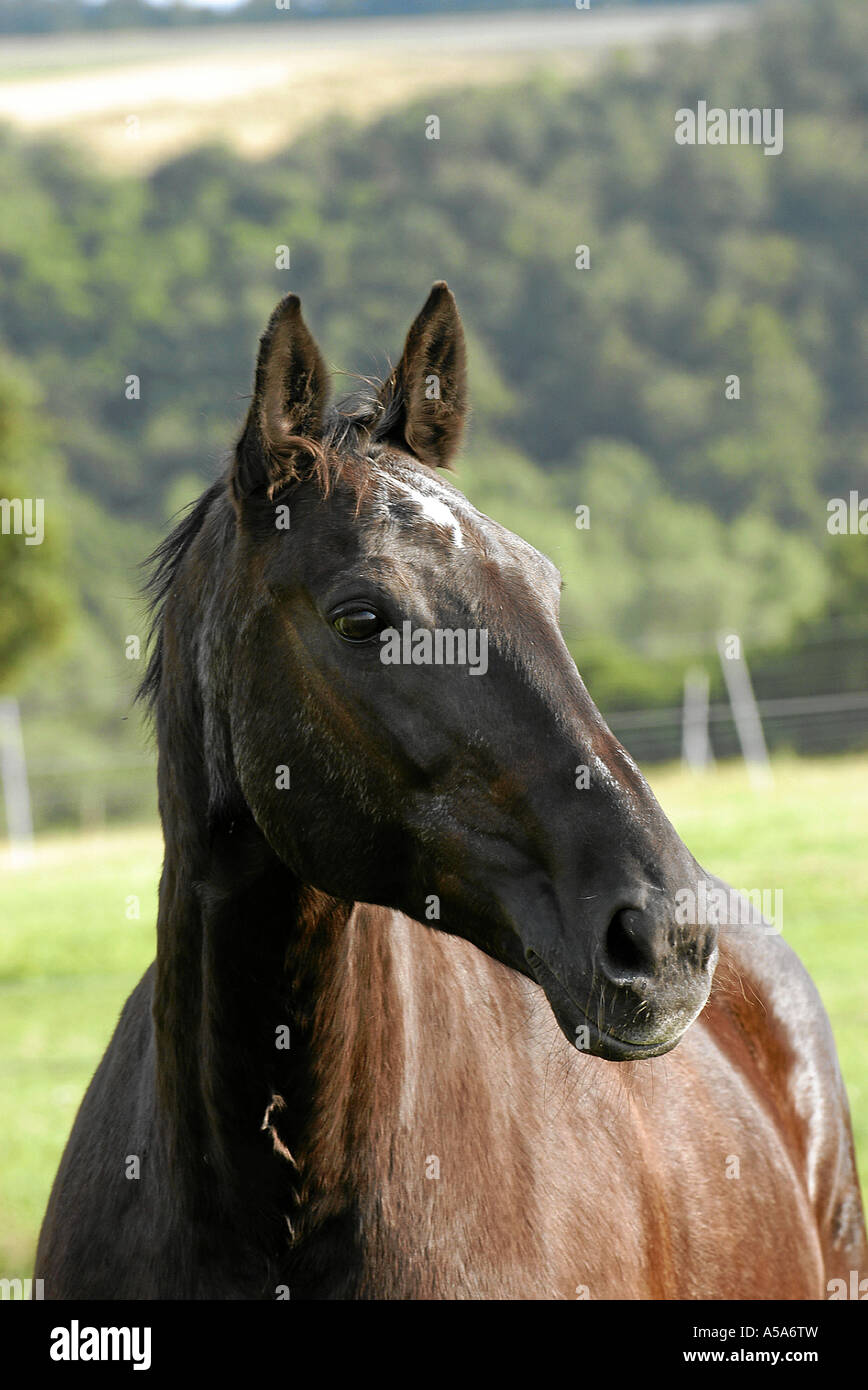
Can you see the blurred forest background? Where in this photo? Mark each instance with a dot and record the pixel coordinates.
(602, 386)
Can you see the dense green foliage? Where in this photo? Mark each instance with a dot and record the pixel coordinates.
(601, 387)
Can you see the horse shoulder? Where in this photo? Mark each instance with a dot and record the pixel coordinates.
(766, 1012)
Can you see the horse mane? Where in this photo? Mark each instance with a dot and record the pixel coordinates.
(351, 428)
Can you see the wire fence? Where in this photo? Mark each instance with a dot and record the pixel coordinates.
(91, 794)
(803, 724)
(810, 701)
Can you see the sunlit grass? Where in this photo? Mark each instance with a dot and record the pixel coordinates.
(806, 836)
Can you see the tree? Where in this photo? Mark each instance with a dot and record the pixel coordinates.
(34, 603)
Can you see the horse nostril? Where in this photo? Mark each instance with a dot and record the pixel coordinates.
(628, 950)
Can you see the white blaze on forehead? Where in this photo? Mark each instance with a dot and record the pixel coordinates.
(431, 506)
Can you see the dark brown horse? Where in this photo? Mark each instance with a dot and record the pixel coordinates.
(422, 942)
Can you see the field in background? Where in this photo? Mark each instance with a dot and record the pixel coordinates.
(70, 954)
(136, 98)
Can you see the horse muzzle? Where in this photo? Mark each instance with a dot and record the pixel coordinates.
(647, 984)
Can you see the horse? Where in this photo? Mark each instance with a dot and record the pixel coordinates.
(427, 1019)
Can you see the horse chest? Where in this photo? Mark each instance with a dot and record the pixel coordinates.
(582, 1184)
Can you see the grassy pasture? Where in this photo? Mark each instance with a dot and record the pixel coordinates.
(70, 953)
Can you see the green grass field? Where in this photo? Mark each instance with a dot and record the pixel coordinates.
(70, 954)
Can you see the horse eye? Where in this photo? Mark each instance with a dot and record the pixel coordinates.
(359, 625)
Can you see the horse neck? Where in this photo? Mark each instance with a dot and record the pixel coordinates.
(275, 1012)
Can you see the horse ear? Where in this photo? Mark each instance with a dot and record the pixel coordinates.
(290, 392)
(425, 397)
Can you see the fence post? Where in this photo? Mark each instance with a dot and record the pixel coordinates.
(16, 792)
(696, 750)
(744, 710)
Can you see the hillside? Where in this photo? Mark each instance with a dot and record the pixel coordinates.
(135, 98)
(602, 386)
